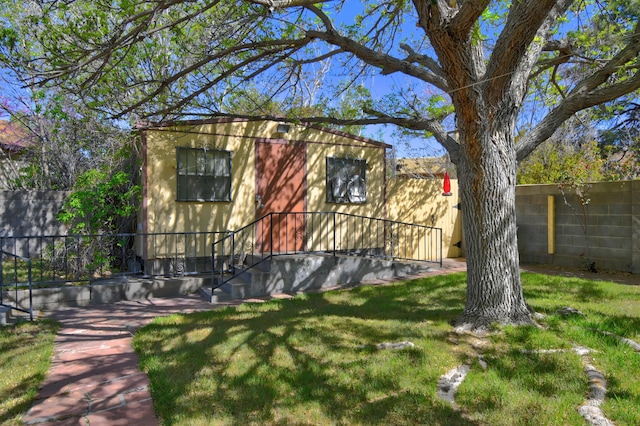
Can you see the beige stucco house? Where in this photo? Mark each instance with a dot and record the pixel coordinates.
(223, 174)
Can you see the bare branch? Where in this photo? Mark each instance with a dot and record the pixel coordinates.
(274, 4)
(253, 59)
(424, 60)
(575, 101)
(319, 58)
(432, 126)
(387, 63)
(167, 82)
(326, 21)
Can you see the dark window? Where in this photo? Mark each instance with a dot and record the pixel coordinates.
(346, 180)
(203, 174)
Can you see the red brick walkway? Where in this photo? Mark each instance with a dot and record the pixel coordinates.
(94, 378)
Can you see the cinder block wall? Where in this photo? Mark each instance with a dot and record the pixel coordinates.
(27, 213)
(605, 231)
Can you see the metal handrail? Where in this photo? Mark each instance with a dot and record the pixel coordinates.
(15, 305)
(320, 232)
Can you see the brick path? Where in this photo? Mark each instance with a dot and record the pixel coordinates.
(94, 376)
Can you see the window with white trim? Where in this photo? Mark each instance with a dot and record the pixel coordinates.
(203, 174)
(346, 180)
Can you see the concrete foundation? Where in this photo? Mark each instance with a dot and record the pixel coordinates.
(284, 274)
(108, 291)
(301, 273)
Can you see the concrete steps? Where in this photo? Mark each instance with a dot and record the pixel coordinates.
(10, 316)
(5, 315)
(299, 273)
(217, 296)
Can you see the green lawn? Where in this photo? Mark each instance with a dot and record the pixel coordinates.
(312, 359)
(25, 355)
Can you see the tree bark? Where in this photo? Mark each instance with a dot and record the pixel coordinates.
(486, 97)
(486, 173)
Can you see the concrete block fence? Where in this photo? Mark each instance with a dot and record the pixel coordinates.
(31, 213)
(599, 229)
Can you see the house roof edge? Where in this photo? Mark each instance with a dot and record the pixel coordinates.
(217, 120)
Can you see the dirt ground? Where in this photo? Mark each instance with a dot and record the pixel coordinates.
(617, 277)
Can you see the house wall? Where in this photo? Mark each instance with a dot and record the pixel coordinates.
(604, 231)
(161, 212)
(160, 206)
(327, 145)
(347, 231)
(421, 201)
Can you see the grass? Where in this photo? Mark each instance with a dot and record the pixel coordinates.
(25, 355)
(312, 359)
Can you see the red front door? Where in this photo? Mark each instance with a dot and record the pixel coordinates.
(280, 188)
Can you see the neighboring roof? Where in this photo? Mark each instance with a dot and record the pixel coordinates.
(219, 120)
(424, 167)
(13, 138)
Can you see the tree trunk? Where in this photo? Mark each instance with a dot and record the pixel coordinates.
(487, 174)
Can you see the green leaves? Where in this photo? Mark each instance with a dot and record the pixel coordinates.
(8, 38)
(161, 60)
(559, 162)
(99, 202)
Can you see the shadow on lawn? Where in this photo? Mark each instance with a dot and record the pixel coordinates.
(19, 343)
(566, 288)
(309, 360)
(26, 389)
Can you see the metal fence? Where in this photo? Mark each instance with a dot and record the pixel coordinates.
(323, 232)
(56, 260)
(61, 259)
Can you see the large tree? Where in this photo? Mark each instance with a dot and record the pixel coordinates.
(468, 65)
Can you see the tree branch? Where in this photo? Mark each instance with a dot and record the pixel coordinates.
(386, 63)
(122, 40)
(424, 60)
(432, 126)
(576, 101)
(275, 4)
(629, 53)
(513, 48)
(462, 22)
(320, 58)
(280, 47)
